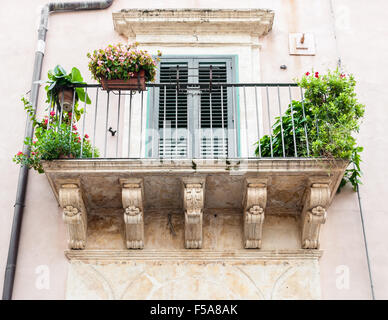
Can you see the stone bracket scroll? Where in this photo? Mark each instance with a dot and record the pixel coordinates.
(193, 203)
(317, 200)
(74, 214)
(132, 198)
(254, 203)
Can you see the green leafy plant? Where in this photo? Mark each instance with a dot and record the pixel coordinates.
(55, 138)
(121, 62)
(325, 123)
(58, 80)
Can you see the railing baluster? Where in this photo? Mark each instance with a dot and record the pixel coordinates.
(211, 125)
(83, 123)
(258, 123)
(106, 124)
(118, 125)
(293, 126)
(95, 124)
(304, 120)
(49, 111)
(269, 122)
(141, 127)
(234, 121)
(176, 121)
(129, 123)
(164, 121)
(246, 121)
(281, 123)
(61, 113)
(222, 121)
(71, 122)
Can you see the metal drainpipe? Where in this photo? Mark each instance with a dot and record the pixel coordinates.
(51, 7)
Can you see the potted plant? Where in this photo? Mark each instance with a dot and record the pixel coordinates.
(123, 67)
(54, 139)
(60, 88)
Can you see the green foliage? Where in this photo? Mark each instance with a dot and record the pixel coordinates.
(121, 62)
(58, 79)
(330, 115)
(54, 139)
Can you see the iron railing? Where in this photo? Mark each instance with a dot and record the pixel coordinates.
(198, 120)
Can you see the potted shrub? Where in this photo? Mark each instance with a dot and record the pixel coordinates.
(54, 139)
(60, 88)
(123, 67)
(331, 115)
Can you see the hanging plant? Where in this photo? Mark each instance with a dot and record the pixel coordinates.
(123, 67)
(61, 90)
(331, 115)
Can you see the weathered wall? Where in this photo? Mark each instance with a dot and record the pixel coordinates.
(354, 30)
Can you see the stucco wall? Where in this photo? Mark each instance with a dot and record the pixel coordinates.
(353, 30)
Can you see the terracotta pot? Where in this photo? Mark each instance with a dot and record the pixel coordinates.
(135, 83)
(67, 94)
(66, 156)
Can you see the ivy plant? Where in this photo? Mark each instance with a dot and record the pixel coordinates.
(325, 123)
(55, 138)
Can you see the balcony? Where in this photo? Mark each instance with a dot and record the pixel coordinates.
(183, 151)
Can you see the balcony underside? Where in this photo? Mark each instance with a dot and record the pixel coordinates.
(287, 181)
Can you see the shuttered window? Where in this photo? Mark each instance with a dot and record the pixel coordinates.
(193, 122)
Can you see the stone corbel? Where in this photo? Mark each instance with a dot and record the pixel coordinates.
(254, 203)
(317, 200)
(74, 214)
(193, 203)
(132, 198)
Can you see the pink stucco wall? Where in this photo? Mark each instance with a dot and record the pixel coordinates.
(354, 30)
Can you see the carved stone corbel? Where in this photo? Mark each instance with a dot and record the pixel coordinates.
(132, 198)
(193, 203)
(255, 200)
(74, 214)
(314, 212)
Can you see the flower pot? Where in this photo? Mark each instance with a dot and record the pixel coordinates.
(137, 82)
(65, 98)
(66, 156)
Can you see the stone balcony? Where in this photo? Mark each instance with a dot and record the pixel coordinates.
(148, 202)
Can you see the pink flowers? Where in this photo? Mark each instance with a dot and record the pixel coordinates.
(307, 74)
(74, 127)
(52, 113)
(342, 75)
(316, 74)
(19, 153)
(86, 136)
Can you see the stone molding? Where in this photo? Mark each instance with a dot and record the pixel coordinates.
(132, 22)
(132, 199)
(192, 255)
(254, 204)
(193, 204)
(314, 213)
(74, 214)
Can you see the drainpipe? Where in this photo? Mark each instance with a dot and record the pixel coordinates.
(51, 7)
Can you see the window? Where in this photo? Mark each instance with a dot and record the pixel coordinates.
(190, 118)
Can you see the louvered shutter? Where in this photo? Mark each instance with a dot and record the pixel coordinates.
(193, 123)
(213, 111)
(172, 122)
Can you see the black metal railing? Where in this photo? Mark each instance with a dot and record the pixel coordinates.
(194, 120)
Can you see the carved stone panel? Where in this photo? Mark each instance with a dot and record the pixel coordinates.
(74, 214)
(132, 198)
(314, 213)
(193, 203)
(254, 204)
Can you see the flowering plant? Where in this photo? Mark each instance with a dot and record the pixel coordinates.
(54, 138)
(330, 113)
(121, 62)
